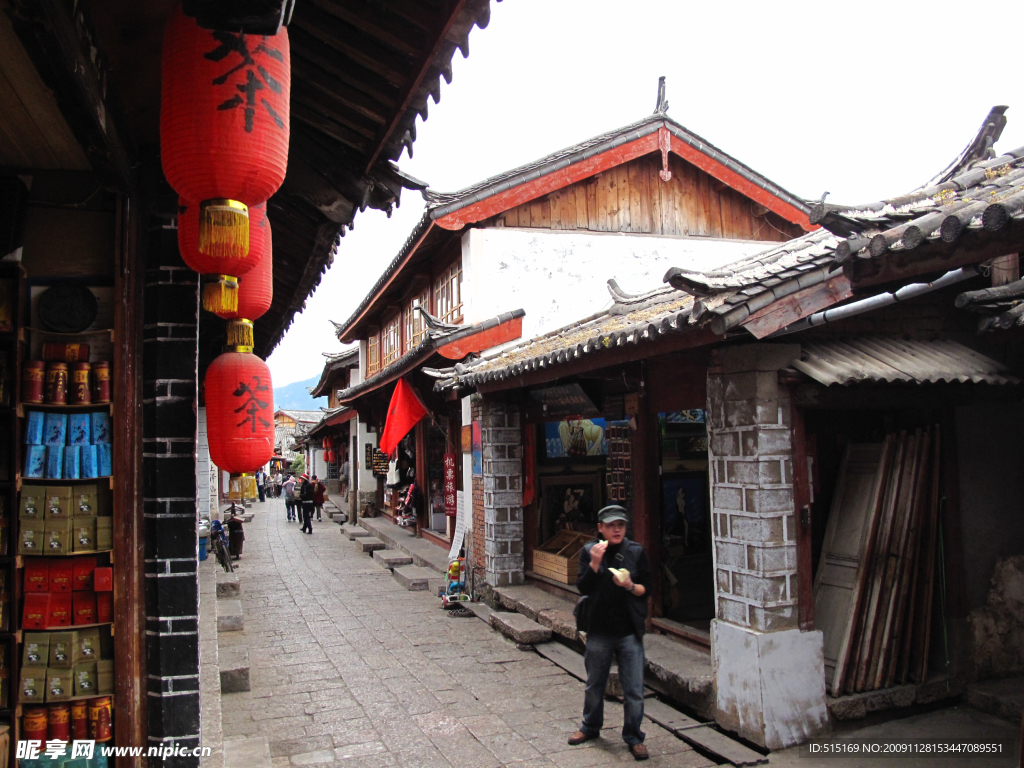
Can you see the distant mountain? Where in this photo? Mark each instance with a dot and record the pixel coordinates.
(296, 396)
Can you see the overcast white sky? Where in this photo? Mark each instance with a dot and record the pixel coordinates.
(866, 100)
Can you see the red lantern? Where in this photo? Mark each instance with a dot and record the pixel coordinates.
(328, 442)
(224, 125)
(222, 295)
(240, 412)
(255, 287)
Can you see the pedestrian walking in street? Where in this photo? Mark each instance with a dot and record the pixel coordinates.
(289, 498)
(613, 577)
(305, 494)
(236, 535)
(278, 482)
(261, 484)
(343, 472)
(319, 489)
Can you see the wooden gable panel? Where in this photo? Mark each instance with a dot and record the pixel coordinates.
(633, 198)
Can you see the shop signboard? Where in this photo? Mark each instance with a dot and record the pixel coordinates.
(450, 478)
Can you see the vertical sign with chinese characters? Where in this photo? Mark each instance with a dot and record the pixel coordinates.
(451, 474)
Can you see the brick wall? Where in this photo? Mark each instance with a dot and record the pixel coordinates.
(169, 494)
(477, 557)
(502, 492)
(752, 494)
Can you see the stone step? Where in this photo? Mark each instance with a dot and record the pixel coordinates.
(369, 544)
(520, 629)
(234, 670)
(229, 616)
(1001, 698)
(247, 752)
(391, 559)
(228, 585)
(415, 578)
(355, 532)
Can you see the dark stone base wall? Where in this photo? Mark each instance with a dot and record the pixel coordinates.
(169, 488)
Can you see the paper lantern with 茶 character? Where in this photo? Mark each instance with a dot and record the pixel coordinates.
(240, 414)
(224, 125)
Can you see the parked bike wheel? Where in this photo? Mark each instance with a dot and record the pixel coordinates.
(222, 555)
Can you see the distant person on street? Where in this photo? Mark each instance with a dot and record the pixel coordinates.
(289, 498)
(615, 612)
(305, 493)
(278, 482)
(343, 471)
(261, 485)
(319, 489)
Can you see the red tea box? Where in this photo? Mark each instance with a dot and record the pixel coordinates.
(82, 580)
(84, 604)
(62, 574)
(103, 579)
(37, 610)
(104, 607)
(37, 575)
(61, 610)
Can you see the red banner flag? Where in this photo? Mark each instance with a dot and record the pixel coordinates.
(405, 411)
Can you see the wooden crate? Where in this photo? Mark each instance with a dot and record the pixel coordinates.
(558, 558)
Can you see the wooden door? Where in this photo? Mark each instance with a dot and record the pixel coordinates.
(848, 534)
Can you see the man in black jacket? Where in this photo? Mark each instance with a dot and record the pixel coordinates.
(613, 575)
(305, 493)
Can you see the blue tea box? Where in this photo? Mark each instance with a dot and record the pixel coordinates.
(79, 429)
(35, 461)
(55, 462)
(73, 462)
(55, 429)
(34, 428)
(104, 459)
(90, 462)
(100, 427)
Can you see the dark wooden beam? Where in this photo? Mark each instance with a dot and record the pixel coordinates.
(391, 30)
(934, 258)
(65, 53)
(325, 125)
(802, 513)
(411, 86)
(310, 48)
(354, 46)
(322, 103)
(306, 74)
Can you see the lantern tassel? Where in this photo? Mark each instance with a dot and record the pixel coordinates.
(221, 295)
(223, 229)
(242, 487)
(240, 333)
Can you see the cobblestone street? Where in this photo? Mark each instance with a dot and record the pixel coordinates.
(348, 667)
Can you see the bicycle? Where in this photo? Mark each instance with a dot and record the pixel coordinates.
(220, 547)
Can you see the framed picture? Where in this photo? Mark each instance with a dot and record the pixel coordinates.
(569, 502)
(575, 439)
(685, 522)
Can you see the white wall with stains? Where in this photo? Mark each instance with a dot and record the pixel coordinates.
(559, 277)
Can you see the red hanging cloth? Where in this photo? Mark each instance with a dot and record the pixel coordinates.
(405, 410)
(529, 464)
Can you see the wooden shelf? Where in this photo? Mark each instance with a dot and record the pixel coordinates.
(79, 335)
(20, 564)
(71, 628)
(22, 481)
(54, 408)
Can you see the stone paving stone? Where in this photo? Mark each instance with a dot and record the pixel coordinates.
(351, 670)
(390, 559)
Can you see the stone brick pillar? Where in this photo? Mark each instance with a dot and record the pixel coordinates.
(502, 443)
(769, 676)
(170, 342)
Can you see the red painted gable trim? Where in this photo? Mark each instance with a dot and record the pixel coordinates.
(478, 342)
(564, 177)
(740, 184)
(531, 190)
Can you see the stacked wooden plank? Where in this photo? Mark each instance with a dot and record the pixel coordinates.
(874, 586)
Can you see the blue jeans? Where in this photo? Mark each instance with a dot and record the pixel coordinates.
(289, 508)
(628, 651)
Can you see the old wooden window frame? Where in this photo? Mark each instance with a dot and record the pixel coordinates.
(413, 323)
(448, 293)
(391, 341)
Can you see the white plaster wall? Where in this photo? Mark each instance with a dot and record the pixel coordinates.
(204, 475)
(467, 469)
(769, 686)
(560, 277)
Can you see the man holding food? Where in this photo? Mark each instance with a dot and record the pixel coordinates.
(613, 577)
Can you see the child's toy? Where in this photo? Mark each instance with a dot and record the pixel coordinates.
(455, 583)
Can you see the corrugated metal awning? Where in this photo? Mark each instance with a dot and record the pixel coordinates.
(877, 360)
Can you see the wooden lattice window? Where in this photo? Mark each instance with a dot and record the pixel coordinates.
(448, 294)
(414, 325)
(391, 341)
(372, 354)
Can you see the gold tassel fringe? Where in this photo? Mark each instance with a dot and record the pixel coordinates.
(240, 333)
(221, 295)
(242, 487)
(223, 229)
